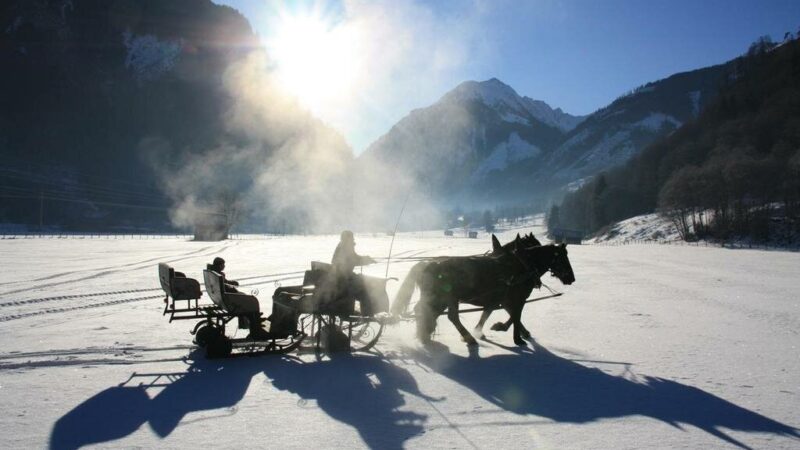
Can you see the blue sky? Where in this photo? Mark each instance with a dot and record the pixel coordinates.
(577, 55)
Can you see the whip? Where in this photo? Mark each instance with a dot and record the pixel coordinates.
(394, 233)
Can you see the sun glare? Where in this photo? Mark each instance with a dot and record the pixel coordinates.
(315, 60)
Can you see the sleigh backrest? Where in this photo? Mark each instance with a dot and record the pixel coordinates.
(165, 275)
(214, 287)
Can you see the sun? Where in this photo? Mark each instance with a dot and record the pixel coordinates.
(315, 60)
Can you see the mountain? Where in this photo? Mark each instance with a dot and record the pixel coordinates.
(731, 173)
(476, 130)
(615, 133)
(482, 142)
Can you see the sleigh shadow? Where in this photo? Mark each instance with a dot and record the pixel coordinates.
(120, 410)
(543, 384)
(364, 392)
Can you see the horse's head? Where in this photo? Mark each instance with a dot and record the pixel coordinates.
(529, 240)
(548, 258)
(560, 266)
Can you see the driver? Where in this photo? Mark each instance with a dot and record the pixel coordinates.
(345, 258)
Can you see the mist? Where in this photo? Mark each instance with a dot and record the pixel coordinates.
(280, 169)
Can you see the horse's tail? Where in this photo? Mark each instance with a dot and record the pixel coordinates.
(403, 297)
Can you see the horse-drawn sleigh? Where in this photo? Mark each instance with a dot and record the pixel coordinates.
(325, 314)
(302, 316)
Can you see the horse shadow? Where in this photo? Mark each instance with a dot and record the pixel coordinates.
(363, 391)
(122, 409)
(541, 383)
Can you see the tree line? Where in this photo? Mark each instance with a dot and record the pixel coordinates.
(733, 172)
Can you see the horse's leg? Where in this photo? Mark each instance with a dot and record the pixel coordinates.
(478, 331)
(516, 315)
(452, 314)
(504, 326)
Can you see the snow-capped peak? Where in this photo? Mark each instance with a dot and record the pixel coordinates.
(514, 108)
(492, 92)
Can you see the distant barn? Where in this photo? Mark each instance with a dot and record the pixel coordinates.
(563, 235)
(448, 232)
(473, 235)
(211, 228)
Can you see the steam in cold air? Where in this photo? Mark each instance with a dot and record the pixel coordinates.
(283, 169)
(283, 166)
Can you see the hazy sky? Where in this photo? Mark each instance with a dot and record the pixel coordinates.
(381, 60)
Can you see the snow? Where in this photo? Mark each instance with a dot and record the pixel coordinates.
(510, 116)
(651, 347)
(513, 108)
(553, 117)
(656, 121)
(644, 227)
(492, 92)
(506, 153)
(577, 184)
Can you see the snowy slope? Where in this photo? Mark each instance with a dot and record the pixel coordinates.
(505, 154)
(644, 227)
(652, 347)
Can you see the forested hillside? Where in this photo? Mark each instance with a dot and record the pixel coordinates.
(734, 172)
(93, 89)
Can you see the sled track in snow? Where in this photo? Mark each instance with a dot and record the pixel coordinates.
(120, 268)
(75, 308)
(64, 309)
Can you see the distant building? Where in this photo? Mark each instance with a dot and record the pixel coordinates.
(210, 227)
(448, 232)
(473, 235)
(565, 236)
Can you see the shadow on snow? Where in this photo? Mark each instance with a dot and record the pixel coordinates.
(361, 391)
(543, 384)
(365, 392)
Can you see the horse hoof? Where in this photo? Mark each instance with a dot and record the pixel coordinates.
(525, 334)
(520, 342)
(499, 326)
(478, 335)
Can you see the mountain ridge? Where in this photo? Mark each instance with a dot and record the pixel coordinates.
(482, 141)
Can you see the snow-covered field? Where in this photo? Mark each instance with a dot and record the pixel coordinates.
(652, 347)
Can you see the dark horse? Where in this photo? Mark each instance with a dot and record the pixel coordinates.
(491, 281)
(520, 291)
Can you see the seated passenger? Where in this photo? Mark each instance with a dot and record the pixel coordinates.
(219, 266)
(245, 305)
